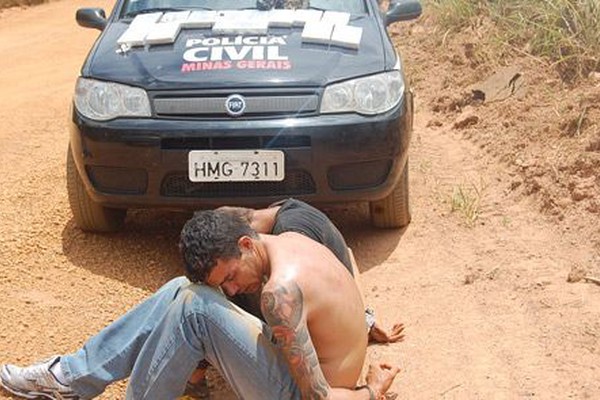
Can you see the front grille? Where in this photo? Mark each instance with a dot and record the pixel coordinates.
(236, 142)
(194, 104)
(296, 182)
(254, 105)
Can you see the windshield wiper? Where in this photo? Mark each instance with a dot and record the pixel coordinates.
(163, 9)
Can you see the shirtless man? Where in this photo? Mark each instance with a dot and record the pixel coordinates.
(293, 215)
(305, 351)
(324, 350)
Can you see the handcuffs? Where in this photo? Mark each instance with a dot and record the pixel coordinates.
(369, 318)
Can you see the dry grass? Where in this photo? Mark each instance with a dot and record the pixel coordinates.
(20, 3)
(566, 33)
(466, 200)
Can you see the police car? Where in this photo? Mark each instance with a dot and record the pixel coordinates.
(191, 104)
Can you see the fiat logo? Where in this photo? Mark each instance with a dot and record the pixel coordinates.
(235, 105)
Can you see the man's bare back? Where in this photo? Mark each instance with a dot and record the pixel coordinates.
(327, 303)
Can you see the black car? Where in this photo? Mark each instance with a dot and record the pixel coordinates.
(190, 104)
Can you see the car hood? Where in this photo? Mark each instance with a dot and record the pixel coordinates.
(197, 59)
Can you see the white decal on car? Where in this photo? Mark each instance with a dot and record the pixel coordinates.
(241, 52)
(328, 28)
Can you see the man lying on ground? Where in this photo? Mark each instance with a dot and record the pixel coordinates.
(305, 350)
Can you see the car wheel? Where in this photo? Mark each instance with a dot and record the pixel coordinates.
(393, 211)
(88, 215)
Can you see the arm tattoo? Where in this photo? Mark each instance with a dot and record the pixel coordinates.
(282, 307)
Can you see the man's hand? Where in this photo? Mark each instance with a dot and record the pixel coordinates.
(380, 378)
(378, 335)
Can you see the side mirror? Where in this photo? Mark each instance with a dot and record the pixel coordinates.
(402, 10)
(91, 18)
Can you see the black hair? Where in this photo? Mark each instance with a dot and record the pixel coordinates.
(209, 236)
(246, 214)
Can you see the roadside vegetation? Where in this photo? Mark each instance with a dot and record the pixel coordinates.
(15, 3)
(537, 63)
(466, 200)
(563, 33)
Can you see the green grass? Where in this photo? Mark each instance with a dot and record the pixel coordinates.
(454, 15)
(566, 33)
(466, 200)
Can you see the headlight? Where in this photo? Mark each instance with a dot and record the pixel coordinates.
(102, 101)
(370, 95)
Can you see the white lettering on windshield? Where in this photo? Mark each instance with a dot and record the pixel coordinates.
(231, 53)
(237, 41)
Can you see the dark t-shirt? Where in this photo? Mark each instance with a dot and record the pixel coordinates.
(297, 216)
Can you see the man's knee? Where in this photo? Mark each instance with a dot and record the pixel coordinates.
(196, 297)
(202, 291)
(193, 305)
(177, 282)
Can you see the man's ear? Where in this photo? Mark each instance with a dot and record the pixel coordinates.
(245, 243)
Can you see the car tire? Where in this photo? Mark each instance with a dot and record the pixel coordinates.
(393, 211)
(88, 215)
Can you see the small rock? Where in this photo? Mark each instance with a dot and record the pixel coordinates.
(465, 120)
(564, 202)
(493, 274)
(436, 123)
(470, 278)
(593, 207)
(515, 184)
(578, 194)
(577, 273)
(532, 186)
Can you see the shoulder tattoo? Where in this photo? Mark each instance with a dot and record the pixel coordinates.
(283, 309)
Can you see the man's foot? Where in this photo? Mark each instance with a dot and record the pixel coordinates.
(35, 381)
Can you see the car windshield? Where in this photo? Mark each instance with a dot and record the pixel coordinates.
(134, 7)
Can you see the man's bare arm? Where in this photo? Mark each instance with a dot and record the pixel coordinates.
(283, 309)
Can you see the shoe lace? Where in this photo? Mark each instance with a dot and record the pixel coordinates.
(36, 371)
(41, 375)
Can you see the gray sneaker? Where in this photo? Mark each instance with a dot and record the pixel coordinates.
(35, 381)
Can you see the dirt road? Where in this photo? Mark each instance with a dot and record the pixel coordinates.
(488, 310)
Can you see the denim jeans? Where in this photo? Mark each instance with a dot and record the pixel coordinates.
(160, 342)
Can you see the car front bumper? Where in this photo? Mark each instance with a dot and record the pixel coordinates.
(143, 163)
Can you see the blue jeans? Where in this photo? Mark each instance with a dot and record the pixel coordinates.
(160, 342)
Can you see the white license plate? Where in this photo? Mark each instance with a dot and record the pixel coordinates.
(236, 165)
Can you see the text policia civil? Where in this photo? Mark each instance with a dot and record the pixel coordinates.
(240, 52)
